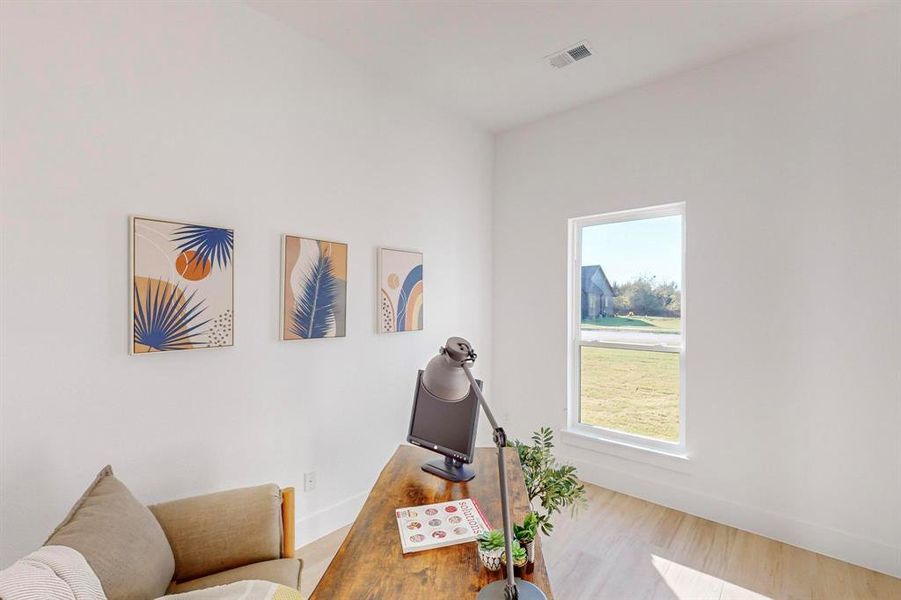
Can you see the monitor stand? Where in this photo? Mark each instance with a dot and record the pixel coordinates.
(450, 469)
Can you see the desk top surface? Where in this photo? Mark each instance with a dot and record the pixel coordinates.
(370, 564)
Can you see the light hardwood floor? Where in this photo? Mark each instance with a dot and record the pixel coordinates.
(623, 548)
(316, 557)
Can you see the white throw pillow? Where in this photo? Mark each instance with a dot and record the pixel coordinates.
(51, 573)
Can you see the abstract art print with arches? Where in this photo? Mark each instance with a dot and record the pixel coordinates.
(400, 294)
(182, 278)
(314, 288)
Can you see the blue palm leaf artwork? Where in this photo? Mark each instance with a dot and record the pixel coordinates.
(211, 244)
(165, 318)
(314, 303)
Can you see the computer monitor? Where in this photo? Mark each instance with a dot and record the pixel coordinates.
(448, 428)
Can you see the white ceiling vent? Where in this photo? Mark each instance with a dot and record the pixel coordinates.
(570, 55)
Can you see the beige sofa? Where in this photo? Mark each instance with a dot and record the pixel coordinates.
(141, 553)
(231, 536)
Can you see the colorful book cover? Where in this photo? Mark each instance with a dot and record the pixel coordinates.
(437, 525)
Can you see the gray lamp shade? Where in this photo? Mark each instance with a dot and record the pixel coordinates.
(444, 377)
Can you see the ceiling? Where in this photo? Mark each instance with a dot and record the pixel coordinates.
(485, 59)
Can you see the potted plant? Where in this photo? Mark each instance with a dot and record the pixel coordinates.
(491, 547)
(519, 555)
(525, 534)
(552, 485)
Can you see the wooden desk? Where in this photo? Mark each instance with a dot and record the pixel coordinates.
(370, 564)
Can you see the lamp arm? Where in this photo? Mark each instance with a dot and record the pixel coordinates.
(482, 401)
(500, 439)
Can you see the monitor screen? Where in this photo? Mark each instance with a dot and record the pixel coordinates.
(445, 427)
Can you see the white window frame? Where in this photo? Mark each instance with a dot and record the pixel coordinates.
(581, 433)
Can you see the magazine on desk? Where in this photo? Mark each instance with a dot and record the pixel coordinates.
(436, 525)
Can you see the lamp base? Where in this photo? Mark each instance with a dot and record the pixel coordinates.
(452, 470)
(525, 589)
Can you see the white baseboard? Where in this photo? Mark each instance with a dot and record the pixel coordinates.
(832, 542)
(313, 526)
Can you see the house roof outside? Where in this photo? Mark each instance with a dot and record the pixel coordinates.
(595, 274)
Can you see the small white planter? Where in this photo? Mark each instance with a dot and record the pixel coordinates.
(530, 551)
(491, 558)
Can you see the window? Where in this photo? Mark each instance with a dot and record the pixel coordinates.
(627, 351)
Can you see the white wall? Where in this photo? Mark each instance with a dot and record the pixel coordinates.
(787, 158)
(217, 114)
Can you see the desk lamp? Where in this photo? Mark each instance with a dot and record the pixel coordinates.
(448, 378)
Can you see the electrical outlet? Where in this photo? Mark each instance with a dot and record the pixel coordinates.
(309, 481)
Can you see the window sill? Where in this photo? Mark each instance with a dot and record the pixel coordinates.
(673, 461)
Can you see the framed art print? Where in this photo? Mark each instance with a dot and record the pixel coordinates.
(314, 288)
(182, 279)
(400, 294)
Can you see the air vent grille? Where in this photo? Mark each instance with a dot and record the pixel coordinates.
(579, 52)
(567, 57)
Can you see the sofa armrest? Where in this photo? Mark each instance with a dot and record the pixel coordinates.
(225, 530)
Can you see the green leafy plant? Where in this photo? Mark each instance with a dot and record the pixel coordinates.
(553, 485)
(491, 540)
(526, 532)
(519, 554)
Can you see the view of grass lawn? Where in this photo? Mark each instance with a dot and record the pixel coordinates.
(631, 391)
(656, 324)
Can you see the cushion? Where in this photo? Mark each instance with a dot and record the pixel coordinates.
(120, 538)
(51, 573)
(284, 571)
(222, 531)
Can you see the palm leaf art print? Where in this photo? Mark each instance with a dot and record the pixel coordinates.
(209, 244)
(314, 301)
(164, 318)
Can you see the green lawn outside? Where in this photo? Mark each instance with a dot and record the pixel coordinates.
(656, 324)
(631, 391)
